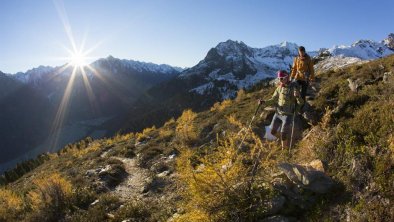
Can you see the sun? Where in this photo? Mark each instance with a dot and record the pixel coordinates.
(78, 59)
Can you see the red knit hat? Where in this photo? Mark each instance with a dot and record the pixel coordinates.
(282, 74)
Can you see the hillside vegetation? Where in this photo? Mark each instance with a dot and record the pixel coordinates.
(195, 168)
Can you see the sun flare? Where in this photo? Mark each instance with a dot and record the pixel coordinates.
(78, 59)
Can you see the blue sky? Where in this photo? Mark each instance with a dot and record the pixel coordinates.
(179, 32)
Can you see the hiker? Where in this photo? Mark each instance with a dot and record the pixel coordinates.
(288, 102)
(302, 71)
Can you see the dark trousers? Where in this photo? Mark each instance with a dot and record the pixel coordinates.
(304, 88)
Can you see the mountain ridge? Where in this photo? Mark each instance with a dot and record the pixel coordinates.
(38, 72)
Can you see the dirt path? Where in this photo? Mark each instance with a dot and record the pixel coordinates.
(133, 185)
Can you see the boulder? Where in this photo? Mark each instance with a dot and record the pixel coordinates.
(308, 177)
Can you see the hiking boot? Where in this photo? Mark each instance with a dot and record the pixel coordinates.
(308, 117)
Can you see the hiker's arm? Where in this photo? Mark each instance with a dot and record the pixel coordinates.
(311, 71)
(294, 69)
(299, 99)
(274, 98)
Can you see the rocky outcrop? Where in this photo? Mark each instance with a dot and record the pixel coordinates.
(307, 177)
(298, 186)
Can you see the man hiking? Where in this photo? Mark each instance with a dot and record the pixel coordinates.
(288, 102)
(302, 71)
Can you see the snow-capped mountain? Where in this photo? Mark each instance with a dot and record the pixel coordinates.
(233, 65)
(239, 66)
(242, 66)
(35, 75)
(362, 49)
(114, 64)
(389, 41)
(359, 52)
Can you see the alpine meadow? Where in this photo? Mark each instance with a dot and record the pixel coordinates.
(285, 132)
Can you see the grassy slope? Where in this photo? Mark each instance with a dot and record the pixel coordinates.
(354, 138)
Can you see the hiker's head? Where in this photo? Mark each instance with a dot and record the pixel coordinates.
(283, 76)
(301, 51)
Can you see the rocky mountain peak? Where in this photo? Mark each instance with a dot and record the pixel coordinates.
(232, 48)
(363, 43)
(389, 41)
(282, 51)
(35, 75)
(288, 44)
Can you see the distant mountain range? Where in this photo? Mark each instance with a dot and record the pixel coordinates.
(33, 103)
(131, 95)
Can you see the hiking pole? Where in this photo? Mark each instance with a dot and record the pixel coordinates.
(250, 125)
(292, 124)
(293, 120)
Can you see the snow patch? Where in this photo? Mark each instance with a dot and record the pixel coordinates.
(337, 62)
(203, 88)
(362, 49)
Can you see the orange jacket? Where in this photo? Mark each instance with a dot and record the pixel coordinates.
(303, 67)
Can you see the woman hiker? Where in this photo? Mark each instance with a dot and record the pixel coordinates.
(288, 103)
